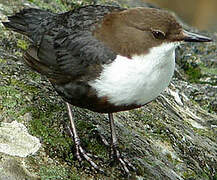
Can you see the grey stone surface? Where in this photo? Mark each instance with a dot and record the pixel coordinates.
(16, 141)
(10, 169)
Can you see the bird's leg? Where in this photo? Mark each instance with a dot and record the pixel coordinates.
(80, 152)
(114, 147)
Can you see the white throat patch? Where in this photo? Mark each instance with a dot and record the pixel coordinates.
(138, 80)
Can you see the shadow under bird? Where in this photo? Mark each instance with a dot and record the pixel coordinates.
(103, 58)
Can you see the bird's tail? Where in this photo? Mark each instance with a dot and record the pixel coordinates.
(27, 20)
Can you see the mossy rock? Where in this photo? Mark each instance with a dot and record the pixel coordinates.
(170, 138)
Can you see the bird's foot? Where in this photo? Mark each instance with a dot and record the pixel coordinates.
(81, 154)
(116, 155)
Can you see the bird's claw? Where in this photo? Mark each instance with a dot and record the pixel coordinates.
(82, 154)
(116, 155)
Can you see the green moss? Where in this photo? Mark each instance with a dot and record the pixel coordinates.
(22, 86)
(22, 44)
(169, 157)
(57, 172)
(158, 126)
(208, 70)
(193, 74)
(2, 60)
(196, 71)
(15, 95)
(189, 174)
(54, 5)
(205, 176)
(46, 126)
(12, 99)
(215, 177)
(206, 133)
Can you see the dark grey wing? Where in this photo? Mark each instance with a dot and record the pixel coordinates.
(72, 55)
(77, 51)
(63, 43)
(41, 57)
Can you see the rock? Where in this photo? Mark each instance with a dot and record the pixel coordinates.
(10, 169)
(173, 137)
(16, 141)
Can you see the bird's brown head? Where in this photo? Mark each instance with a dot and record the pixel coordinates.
(134, 31)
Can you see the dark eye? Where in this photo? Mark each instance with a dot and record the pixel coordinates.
(158, 34)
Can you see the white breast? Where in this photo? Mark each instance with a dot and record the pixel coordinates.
(138, 80)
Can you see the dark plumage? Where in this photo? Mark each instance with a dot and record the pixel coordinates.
(65, 50)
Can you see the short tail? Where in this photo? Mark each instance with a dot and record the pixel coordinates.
(27, 20)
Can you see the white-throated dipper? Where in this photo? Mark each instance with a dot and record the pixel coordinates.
(103, 58)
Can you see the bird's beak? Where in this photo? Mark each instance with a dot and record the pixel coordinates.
(192, 37)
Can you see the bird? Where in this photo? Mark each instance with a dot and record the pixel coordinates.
(103, 58)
